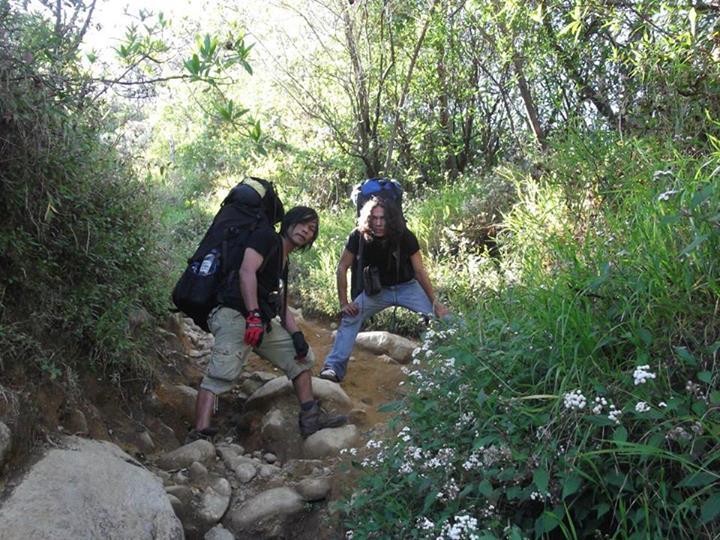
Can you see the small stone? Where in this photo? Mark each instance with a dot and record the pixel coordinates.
(257, 454)
(314, 489)
(180, 478)
(245, 472)
(357, 416)
(270, 458)
(198, 472)
(268, 471)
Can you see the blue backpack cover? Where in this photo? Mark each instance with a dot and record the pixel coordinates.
(385, 188)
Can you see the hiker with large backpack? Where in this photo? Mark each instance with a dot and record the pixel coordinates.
(248, 303)
(387, 270)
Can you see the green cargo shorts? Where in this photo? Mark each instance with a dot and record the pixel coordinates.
(230, 351)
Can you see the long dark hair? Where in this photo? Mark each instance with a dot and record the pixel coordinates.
(394, 222)
(300, 214)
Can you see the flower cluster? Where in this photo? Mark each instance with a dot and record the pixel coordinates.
(600, 402)
(642, 407)
(614, 414)
(462, 527)
(642, 374)
(449, 491)
(574, 400)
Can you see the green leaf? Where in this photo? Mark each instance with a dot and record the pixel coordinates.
(620, 434)
(391, 406)
(699, 408)
(645, 335)
(429, 500)
(686, 356)
(698, 479)
(602, 509)
(701, 196)
(541, 479)
(710, 508)
(570, 485)
(546, 523)
(705, 376)
(485, 488)
(694, 244)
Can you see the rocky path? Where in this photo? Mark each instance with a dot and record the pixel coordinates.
(257, 479)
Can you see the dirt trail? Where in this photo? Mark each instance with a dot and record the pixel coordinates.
(370, 382)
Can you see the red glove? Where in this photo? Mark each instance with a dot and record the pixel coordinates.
(254, 328)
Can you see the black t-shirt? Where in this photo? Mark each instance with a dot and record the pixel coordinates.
(382, 253)
(267, 243)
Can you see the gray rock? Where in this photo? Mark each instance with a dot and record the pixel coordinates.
(200, 450)
(228, 453)
(268, 471)
(219, 533)
(331, 394)
(214, 502)
(5, 443)
(182, 493)
(88, 489)
(380, 342)
(144, 442)
(314, 489)
(180, 478)
(329, 442)
(245, 472)
(274, 425)
(177, 505)
(299, 468)
(269, 457)
(265, 513)
(198, 473)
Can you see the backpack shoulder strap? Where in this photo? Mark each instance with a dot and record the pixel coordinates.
(359, 273)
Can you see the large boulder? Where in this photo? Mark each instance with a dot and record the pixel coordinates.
(88, 489)
(330, 394)
(201, 451)
(380, 342)
(178, 398)
(329, 442)
(266, 514)
(5, 443)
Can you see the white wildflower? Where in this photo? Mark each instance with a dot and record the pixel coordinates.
(574, 400)
(642, 374)
(642, 407)
(667, 194)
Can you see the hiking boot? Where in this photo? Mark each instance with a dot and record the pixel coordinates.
(329, 375)
(206, 434)
(316, 419)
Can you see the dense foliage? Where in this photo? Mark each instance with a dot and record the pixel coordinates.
(76, 228)
(580, 397)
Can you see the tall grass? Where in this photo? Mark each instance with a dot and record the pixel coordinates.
(580, 396)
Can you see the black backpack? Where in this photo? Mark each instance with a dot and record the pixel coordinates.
(251, 204)
(384, 188)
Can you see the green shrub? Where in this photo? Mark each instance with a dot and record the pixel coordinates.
(77, 230)
(580, 399)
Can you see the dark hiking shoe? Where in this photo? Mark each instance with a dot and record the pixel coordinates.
(316, 419)
(329, 375)
(206, 434)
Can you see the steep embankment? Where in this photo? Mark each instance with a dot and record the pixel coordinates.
(257, 479)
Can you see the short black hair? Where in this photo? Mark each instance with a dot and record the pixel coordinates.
(300, 214)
